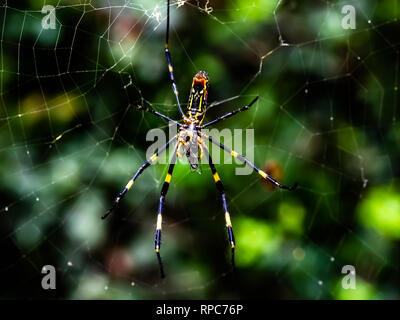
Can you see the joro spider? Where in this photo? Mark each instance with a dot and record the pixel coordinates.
(190, 140)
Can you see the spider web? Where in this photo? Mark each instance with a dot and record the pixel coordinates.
(71, 137)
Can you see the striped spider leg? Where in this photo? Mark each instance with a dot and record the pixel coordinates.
(169, 61)
(159, 114)
(164, 191)
(221, 190)
(250, 164)
(143, 167)
(230, 114)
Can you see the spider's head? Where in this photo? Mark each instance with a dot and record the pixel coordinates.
(201, 80)
(198, 95)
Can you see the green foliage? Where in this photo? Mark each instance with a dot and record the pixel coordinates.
(71, 138)
(380, 210)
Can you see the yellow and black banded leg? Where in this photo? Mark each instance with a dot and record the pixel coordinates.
(251, 165)
(230, 114)
(164, 190)
(169, 61)
(220, 188)
(129, 185)
(159, 114)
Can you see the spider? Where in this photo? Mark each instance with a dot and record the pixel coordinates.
(190, 143)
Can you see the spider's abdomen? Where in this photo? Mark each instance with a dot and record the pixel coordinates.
(198, 96)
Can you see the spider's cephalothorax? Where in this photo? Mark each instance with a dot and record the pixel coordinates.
(191, 144)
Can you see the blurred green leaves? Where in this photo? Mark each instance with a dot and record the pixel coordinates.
(84, 218)
(253, 11)
(363, 291)
(257, 240)
(380, 210)
(291, 218)
(327, 114)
